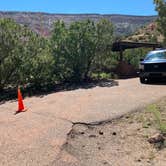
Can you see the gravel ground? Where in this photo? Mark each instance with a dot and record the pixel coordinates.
(120, 141)
(37, 136)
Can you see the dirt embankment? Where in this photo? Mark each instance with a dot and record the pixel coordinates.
(120, 142)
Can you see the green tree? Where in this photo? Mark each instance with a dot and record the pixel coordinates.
(104, 59)
(73, 49)
(10, 52)
(38, 63)
(80, 48)
(81, 44)
(25, 57)
(59, 51)
(161, 9)
(133, 56)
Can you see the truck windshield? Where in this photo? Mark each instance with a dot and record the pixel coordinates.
(156, 56)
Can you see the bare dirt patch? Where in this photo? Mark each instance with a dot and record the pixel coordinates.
(122, 141)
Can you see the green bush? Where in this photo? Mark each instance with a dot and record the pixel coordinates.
(133, 56)
(71, 54)
(160, 123)
(80, 49)
(24, 56)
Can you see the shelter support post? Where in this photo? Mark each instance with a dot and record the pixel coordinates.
(121, 56)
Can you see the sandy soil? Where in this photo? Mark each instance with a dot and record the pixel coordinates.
(116, 143)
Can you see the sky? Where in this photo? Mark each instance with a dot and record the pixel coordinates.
(128, 7)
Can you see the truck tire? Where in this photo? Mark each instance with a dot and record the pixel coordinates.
(142, 80)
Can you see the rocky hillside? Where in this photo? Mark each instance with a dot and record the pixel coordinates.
(148, 33)
(42, 22)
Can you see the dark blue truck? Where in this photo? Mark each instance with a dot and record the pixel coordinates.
(153, 67)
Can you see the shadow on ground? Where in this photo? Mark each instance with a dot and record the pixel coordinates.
(157, 82)
(11, 94)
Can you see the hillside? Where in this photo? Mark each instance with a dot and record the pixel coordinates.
(148, 33)
(42, 22)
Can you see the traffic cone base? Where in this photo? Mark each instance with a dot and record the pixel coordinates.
(17, 112)
(21, 107)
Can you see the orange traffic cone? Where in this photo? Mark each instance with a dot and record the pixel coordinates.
(21, 107)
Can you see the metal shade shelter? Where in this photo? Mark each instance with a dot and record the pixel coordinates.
(121, 46)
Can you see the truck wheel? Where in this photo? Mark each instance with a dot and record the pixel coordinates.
(142, 80)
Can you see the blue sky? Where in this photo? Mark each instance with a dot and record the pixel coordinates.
(132, 7)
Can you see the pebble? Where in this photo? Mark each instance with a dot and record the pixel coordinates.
(114, 133)
(101, 133)
(92, 136)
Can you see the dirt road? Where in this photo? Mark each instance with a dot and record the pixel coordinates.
(35, 138)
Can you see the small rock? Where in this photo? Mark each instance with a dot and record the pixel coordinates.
(105, 162)
(82, 132)
(149, 124)
(72, 136)
(101, 133)
(156, 138)
(92, 136)
(114, 133)
(131, 122)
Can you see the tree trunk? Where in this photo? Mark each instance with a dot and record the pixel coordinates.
(1, 88)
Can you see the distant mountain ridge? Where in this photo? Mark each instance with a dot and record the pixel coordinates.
(42, 22)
